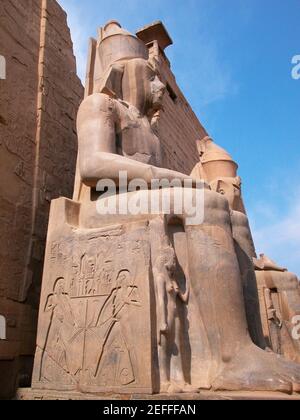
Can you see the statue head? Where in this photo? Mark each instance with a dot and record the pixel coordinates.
(167, 260)
(220, 171)
(125, 72)
(142, 87)
(123, 279)
(59, 286)
(216, 161)
(231, 188)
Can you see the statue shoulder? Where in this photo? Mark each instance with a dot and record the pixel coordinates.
(96, 102)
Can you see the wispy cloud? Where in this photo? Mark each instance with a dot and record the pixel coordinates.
(279, 236)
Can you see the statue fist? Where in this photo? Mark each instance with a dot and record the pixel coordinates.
(164, 329)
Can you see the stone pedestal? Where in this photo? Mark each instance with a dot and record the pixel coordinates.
(29, 394)
(96, 333)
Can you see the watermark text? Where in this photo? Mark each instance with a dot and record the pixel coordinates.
(182, 198)
(296, 68)
(2, 328)
(2, 68)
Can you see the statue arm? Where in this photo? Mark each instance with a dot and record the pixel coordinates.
(50, 304)
(184, 297)
(98, 157)
(162, 300)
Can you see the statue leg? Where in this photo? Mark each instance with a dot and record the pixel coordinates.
(245, 252)
(216, 283)
(164, 364)
(176, 374)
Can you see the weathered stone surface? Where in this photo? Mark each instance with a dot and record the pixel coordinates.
(188, 289)
(95, 309)
(37, 150)
(123, 293)
(30, 395)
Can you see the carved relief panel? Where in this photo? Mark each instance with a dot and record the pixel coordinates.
(94, 328)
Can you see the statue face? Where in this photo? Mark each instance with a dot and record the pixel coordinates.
(123, 278)
(169, 261)
(157, 91)
(231, 188)
(59, 287)
(142, 87)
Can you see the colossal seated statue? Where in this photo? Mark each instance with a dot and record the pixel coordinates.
(107, 277)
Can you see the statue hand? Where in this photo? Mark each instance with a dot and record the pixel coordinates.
(170, 175)
(164, 329)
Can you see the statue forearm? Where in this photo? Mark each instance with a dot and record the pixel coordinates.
(102, 165)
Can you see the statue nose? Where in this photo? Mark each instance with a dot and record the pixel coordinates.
(163, 88)
(159, 84)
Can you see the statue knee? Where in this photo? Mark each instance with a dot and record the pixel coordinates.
(216, 200)
(101, 101)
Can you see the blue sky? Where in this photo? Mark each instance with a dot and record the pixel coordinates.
(232, 59)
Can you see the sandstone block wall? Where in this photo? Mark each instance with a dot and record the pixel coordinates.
(38, 104)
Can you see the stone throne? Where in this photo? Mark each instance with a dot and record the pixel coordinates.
(141, 302)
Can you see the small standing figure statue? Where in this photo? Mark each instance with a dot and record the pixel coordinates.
(170, 313)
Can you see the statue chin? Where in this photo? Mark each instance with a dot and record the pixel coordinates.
(157, 105)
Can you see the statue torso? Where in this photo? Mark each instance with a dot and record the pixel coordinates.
(135, 138)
